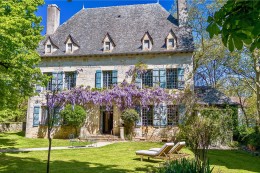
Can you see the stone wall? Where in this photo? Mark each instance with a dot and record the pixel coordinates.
(12, 127)
(60, 132)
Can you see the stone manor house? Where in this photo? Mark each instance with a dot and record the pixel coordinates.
(97, 46)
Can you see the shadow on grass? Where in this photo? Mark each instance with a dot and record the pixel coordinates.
(5, 141)
(14, 164)
(234, 159)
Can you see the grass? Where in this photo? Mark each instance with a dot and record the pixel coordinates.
(115, 158)
(17, 140)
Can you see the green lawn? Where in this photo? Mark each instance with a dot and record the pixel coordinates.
(115, 158)
(17, 140)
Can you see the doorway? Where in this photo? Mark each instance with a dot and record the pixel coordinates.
(107, 124)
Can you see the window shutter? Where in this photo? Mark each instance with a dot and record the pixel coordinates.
(163, 78)
(60, 81)
(98, 79)
(156, 77)
(180, 78)
(181, 112)
(138, 110)
(114, 77)
(160, 115)
(138, 81)
(54, 81)
(36, 113)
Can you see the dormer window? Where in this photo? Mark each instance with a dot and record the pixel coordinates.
(108, 43)
(107, 46)
(71, 44)
(171, 40)
(70, 47)
(147, 41)
(49, 46)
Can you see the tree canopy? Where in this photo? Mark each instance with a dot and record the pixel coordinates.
(238, 23)
(19, 37)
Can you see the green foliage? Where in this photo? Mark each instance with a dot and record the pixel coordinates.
(205, 126)
(129, 116)
(19, 38)
(238, 22)
(74, 115)
(184, 166)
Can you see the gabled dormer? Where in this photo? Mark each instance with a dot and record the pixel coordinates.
(108, 43)
(71, 44)
(171, 40)
(49, 46)
(147, 41)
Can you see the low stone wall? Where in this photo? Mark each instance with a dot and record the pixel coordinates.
(12, 127)
(59, 132)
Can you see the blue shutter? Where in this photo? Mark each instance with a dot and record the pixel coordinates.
(180, 78)
(36, 113)
(138, 81)
(56, 116)
(114, 77)
(163, 78)
(54, 81)
(98, 79)
(60, 81)
(138, 110)
(181, 112)
(156, 77)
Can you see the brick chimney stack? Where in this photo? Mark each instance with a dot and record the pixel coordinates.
(182, 12)
(53, 18)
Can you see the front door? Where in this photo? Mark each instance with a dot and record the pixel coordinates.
(107, 122)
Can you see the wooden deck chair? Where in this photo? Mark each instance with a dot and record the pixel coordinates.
(175, 153)
(161, 153)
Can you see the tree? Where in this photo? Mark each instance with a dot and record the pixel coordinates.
(238, 23)
(74, 116)
(19, 37)
(129, 116)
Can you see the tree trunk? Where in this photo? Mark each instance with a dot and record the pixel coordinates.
(49, 151)
(257, 70)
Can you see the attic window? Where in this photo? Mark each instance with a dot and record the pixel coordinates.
(70, 47)
(171, 42)
(146, 44)
(48, 48)
(107, 46)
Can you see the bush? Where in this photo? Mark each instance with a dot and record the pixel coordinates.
(184, 166)
(74, 116)
(129, 116)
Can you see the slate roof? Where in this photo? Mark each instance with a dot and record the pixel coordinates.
(211, 96)
(125, 24)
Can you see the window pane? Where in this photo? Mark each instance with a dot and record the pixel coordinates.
(171, 42)
(48, 48)
(146, 44)
(171, 78)
(147, 116)
(69, 47)
(107, 79)
(172, 115)
(147, 78)
(107, 46)
(70, 80)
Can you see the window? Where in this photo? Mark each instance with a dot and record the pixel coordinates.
(147, 116)
(107, 79)
(147, 78)
(172, 78)
(172, 115)
(44, 116)
(70, 80)
(146, 44)
(56, 81)
(56, 116)
(70, 47)
(171, 43)
(48, 48)
(107, 46)
(36, 113)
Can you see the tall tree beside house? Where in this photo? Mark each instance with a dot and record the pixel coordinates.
(19, 37)
(238, 23)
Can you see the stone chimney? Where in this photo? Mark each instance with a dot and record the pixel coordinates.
(53, 18)
(182, 12)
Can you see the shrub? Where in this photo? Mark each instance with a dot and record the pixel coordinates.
(74, 116)
(184, 166)
(129, 116)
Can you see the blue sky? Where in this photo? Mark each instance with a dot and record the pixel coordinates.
(68, 9)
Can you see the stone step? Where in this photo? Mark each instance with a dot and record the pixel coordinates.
(101, 138)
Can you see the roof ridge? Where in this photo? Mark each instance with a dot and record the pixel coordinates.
(86, 8)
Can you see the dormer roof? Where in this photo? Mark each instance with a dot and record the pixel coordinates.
(109, 38)
(148, 35)
(72, 40)
(52, 43)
